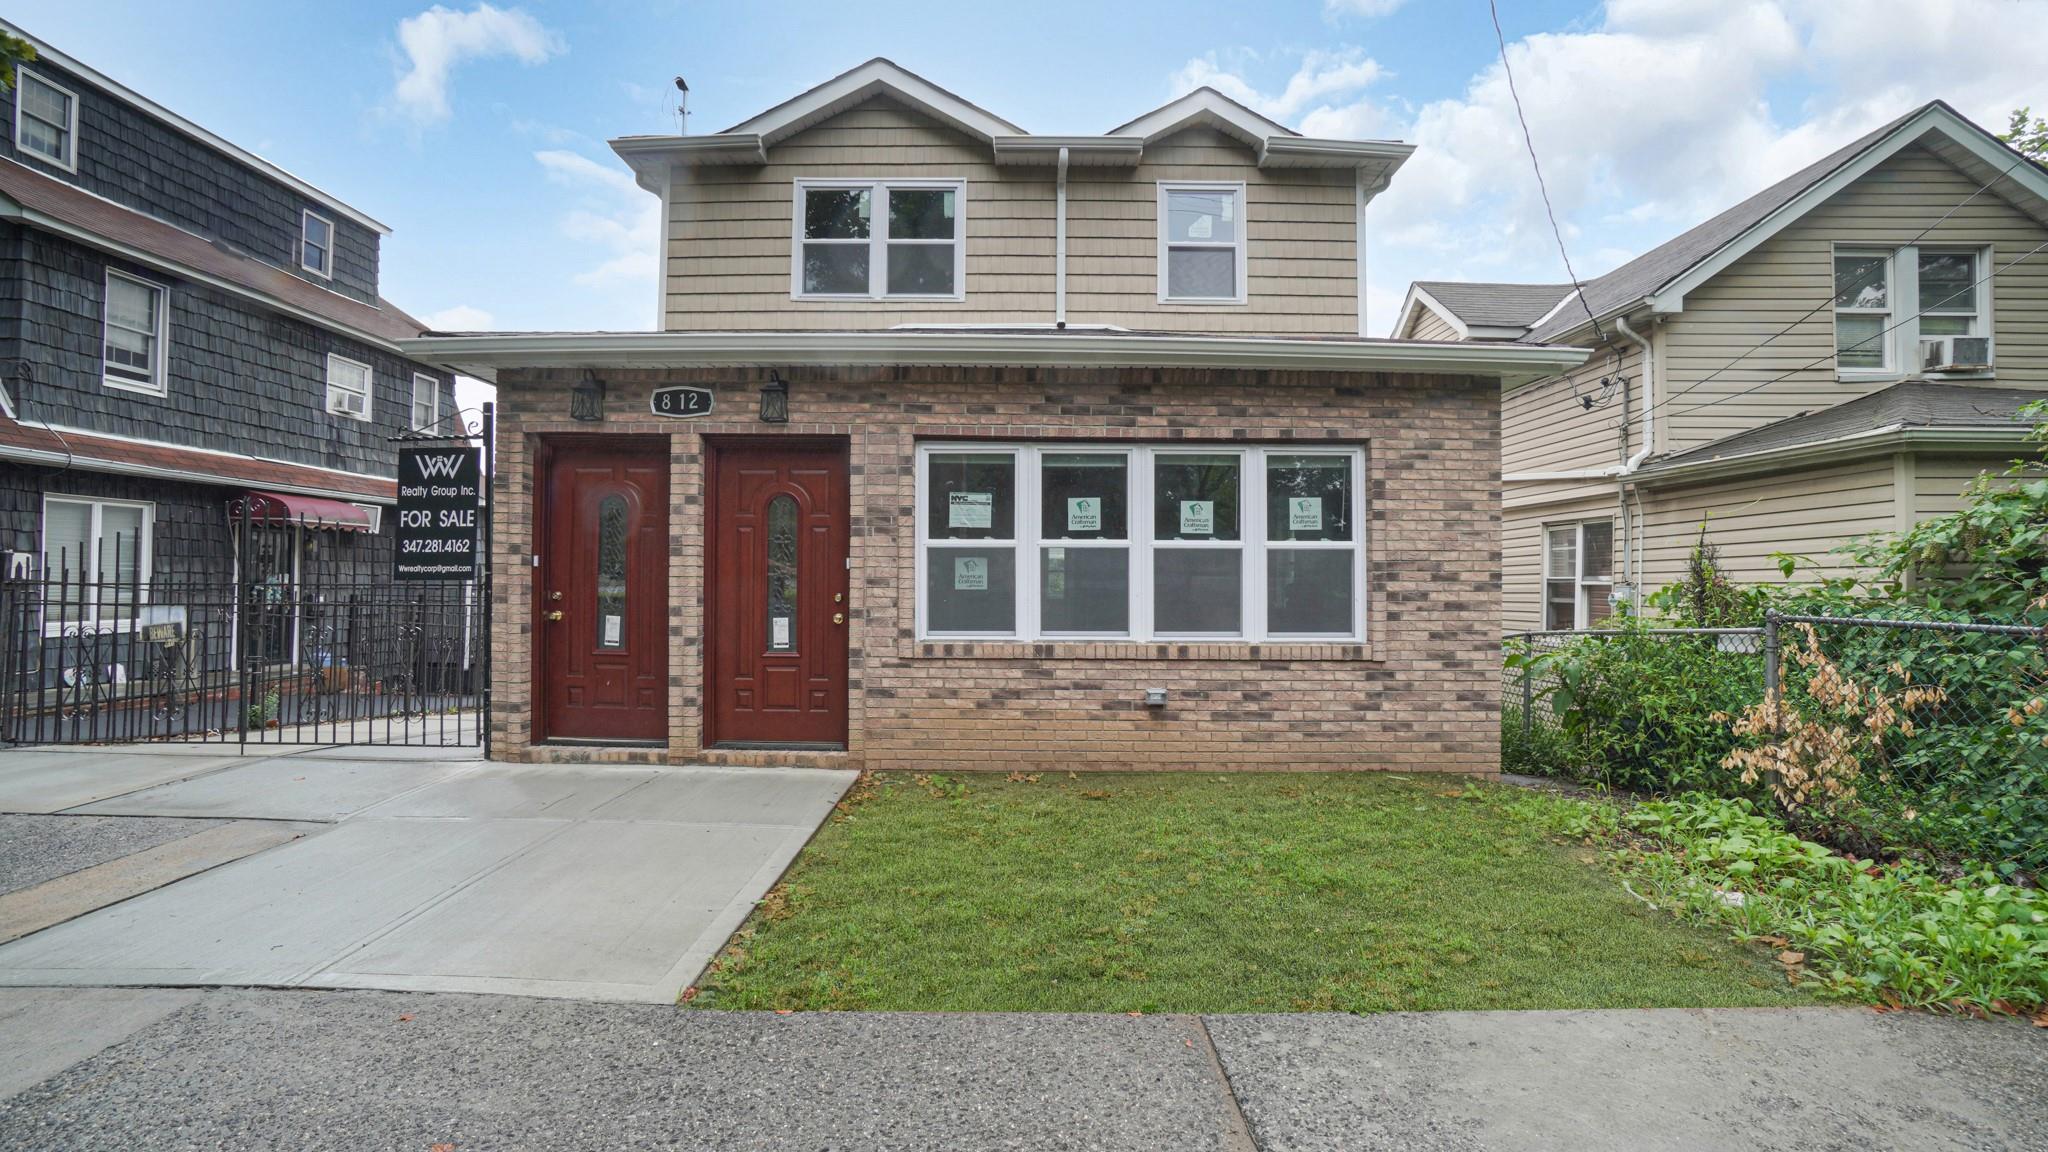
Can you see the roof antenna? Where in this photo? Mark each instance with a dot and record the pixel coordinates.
(682, 107)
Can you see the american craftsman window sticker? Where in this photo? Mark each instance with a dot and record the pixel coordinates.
(970, 509)
(1198, 517)
(1305, 514)
(970, 573)
(1084, 513)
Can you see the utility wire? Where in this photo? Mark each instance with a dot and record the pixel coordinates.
(1529, 141)
(1881, 332)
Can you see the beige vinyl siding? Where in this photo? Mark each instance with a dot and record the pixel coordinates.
(1771, 287)
(1939, 481)
(1427, 325)
(1545, 427)
(728, 263)
(1806, 513)
(1522, 553)
(1300, 229)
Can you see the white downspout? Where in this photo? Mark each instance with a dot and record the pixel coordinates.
(1059, 246)
(1629, 523)
(1649, 396)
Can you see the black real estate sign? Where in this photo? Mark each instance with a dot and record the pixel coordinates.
(440, 503)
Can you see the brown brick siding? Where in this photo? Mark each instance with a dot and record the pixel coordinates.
(1421, 694)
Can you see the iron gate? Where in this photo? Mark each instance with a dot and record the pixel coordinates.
(301, 637)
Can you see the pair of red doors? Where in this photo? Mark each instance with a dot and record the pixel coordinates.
(775, 590)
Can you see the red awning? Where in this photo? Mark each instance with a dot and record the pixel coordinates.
(311, 511)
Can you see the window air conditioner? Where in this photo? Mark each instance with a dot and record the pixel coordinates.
(1955, 353)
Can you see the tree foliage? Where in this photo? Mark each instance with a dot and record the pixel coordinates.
(13, 50)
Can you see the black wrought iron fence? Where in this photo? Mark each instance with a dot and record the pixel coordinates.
(303, 653)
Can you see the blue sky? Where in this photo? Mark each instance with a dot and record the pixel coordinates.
(477, 132)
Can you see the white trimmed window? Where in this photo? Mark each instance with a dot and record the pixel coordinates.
(879, 239)
(348, 387)
(1085, 541)
(1912, 310)
(101, 549)
(45, 120)
(1578, 574)
(426, 402)
(1201, 243)
(133, 334)
(316, 244)
(1863, 310)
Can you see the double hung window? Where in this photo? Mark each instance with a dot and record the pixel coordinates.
(877, 239)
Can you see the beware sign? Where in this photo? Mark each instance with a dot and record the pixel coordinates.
(440, 510)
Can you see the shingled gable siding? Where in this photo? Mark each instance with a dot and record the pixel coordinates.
(1427, 325)
(1421, 695)
(134, 159)
(240, 379)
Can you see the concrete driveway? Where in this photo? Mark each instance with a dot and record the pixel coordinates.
(418, 871)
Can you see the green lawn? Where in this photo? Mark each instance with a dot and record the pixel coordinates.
(1203, 893)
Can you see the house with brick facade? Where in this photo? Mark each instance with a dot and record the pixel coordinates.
(961, 446)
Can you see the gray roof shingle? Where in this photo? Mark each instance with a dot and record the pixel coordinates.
(1909, 404)
(1495, 305)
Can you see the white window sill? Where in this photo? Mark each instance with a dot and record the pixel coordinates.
(1203, 301)
(135, 386)
(1869, 375)
(864, 298)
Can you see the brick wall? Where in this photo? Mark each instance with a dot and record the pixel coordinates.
(1419, 695)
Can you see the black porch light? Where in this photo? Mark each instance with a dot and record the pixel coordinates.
(586, 399)
(775, 400)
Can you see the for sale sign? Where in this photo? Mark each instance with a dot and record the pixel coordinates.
(440, 509)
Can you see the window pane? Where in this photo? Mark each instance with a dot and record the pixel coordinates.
(1860, 282)
(1308, 498)
(316, 231)
(1201, 273)
(1599, 552)
(782, 573)
(1564, 553)
(836, 213)
(611, 571)
(1083, 497)
(1947, 325)
(973, 496)
(921, 214)
(120, 559)
(920, 269)
(1084, 589)
(1194, 497)
(836, 268)
(1196, 590)
(1598, 605)
(1559, 611)
(128, 353)
(45, 102)
(1204, 217)
(131, 305)
(66, 526)
(42, 139)
(1859, 341)
(971, 589)
(1948, 282)
(1309, 590)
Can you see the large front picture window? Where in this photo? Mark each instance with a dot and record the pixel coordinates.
(879, 239)
(1081, 542)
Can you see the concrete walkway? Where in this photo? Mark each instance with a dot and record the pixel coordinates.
(408, 869)
(163, 1069)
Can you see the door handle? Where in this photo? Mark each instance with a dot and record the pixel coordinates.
(556, 615)
(839, 617)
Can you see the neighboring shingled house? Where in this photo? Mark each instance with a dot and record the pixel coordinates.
(1838, 355)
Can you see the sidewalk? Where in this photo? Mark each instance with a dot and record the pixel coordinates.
(161, 1069)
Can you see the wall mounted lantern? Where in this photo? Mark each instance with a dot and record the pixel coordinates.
(775, 400)
(586, 399)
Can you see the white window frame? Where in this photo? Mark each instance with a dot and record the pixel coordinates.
(1582, 584)
(306, 218)
(369, 387)
(433, 402)
(1980, 317)
(69, 162)
(90, 618)
(1901, 344)
(1888, 343)
(878, 236)
(159, 338)
(1027, 538)
(1239, 244)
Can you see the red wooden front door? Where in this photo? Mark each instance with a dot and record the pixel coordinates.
(777, 605)
(602, 595)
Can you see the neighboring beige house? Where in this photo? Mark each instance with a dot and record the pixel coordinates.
(970, 447)
(1838, 355)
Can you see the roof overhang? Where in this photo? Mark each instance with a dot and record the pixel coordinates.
(483, 354)
(1984, 438)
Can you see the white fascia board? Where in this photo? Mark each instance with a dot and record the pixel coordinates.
(13, 210)
(1083, 151)
(1292, 151)
(1204, 104)
(1514, 365)
(1934, 118)
(876, 77)
(1877, 441)
(1419, 298)
(150, 107)
(651, 157)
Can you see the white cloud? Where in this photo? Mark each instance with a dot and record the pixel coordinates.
(438, 39)
(1366, 8)
(1652, 117)
(614, 218)
(460, 318)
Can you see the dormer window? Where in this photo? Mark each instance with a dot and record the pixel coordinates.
(45, 120)
(1201, 244)
(879, 239)
(316, 244)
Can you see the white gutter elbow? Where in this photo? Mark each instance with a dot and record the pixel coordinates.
(1649, 398)
(1059, 245)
